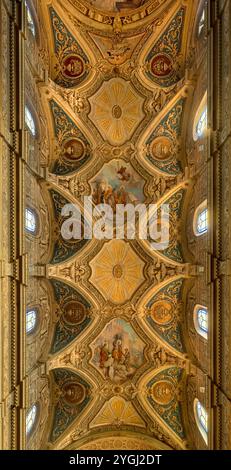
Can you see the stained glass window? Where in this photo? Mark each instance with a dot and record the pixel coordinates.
(202, 123)
(202, 416)
(31, 222)
(31, 320)
(202, 221)
(30, 21)
(201, 24)
(31, 418)
(202, 317)
(30, 122)
(201, 320)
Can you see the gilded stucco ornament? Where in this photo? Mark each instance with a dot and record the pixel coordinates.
(117, 349)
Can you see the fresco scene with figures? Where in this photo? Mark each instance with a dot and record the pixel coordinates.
(118, 351)
(117, 183)
(115, 337)
(115, 5)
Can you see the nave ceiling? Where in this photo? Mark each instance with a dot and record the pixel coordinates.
(117, 97)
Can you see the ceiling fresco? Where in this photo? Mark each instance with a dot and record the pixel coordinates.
(116, 98)
(118, 351)
(115, 5)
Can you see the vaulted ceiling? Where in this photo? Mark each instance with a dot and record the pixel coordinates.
(117, 99)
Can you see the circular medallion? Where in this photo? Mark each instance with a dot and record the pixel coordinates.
(117, 271)
(73, 393)
(162, 148)
(163, 392)
(74, 313)
(162, 312)
(116, 111)
(73, 150)
(73, 66)
(161, 65)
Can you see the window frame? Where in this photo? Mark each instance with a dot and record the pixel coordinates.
(201, 23)
(203, 430)
(202, 108)
(32, 330)
(31, 24)
(30, 429)
(202, 332)
(32, 211)
(200, 209)
(29, 113)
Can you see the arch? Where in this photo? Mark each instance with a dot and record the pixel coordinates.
(200, 220)
(201, 417)
(201, 120)
(112, 440)
(200, 318)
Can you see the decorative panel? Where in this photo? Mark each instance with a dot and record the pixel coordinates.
(163, 314)
(162, 62)
(74, 149)
(72, 65)
(64, 249)
(74, 315)
(162, 145)
(72, 394)
(162, 394)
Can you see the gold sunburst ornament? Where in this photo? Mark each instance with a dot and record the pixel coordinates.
(116, 110)
(117, 271)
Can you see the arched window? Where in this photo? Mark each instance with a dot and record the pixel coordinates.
(31, 320)
(200, 317)
(30, 122)
(31, 417)
(201, 417)
(202, 123)
(200, 222)
(31, 221)
(201, 120)
(30, 21)
(201, 23)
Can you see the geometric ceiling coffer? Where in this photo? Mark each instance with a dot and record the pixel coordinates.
(117, 271)
(174, 249)
(162, 62)
(64, 249)
(162, 145)
(163, 395)
(116, 110)
(72, 394)
(163, 314)
(74, 317)
(74, 149)
(71, 65)
(118, 352)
